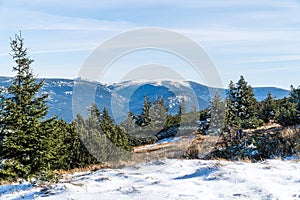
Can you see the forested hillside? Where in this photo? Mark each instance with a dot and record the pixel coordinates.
(60, 93)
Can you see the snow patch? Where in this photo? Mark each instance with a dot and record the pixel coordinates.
(173, 179)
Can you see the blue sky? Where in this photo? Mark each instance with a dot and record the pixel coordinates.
(259, 39)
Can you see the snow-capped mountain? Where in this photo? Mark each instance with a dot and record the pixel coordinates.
(119, 98)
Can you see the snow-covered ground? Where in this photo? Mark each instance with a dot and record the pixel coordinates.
(173, 179)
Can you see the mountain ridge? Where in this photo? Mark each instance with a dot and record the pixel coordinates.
(129, 95)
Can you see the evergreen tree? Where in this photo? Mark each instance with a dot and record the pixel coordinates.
(182, 106)
(295, 98)
(241, 106)
(25, 132)
(268, 108)
(289, 108)
(93, 140)
(106, 122)
(231, 118)
(287, 112)
(217, 113)
(113, 132)
(2, 97)
(145, 117)
(129, 124)
(158, 114)
(72, 153)
(171, 121)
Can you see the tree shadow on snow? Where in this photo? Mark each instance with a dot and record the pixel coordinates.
(202, 172)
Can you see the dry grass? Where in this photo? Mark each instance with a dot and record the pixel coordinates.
(292, 131)
(171, 150)
(89, 168)
(293, 136)
(201, 146)
(7, 182)
(290, 144)
(186, 147)
(271, 126)
(151, 147)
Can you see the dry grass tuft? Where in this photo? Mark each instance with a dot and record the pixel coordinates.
(89, 168)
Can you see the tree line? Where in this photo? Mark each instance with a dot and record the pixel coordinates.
(33, 145)
(243, 112)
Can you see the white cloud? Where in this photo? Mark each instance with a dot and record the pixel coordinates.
(273, 69)
(227, 36)
(266, 59)
(16, 19)
(49, 33)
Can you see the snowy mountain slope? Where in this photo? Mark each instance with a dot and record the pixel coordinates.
(173, 179)
(130, 95)
(261, 92)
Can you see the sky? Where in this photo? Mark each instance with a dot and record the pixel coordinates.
(259, 39)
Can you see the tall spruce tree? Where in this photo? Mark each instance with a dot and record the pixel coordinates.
(217, 113)
(109, 129)
(158, 114)
(182, 106)
(129, 124)
(231, 116)
(145, 117)
(24, 129)
(268, 108)
(295, 96)
(241, 106)
(289, 108)
(106, 122)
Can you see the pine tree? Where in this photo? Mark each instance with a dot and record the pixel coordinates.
(24, 127)
(145, 117)
(106, 122)
(295, 98)
(129, 124)
(109, 129)
(93, 139)
(217, 113)
(2, 97)
(287, 112)
(182, 107)
(71, 152)
(231, 118)
(268, 108)
(241, 106)
(158, 115)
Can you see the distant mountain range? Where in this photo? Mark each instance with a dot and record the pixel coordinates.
(121, 97)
